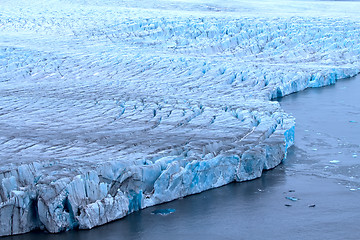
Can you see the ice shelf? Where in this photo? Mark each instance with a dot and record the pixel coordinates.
(108, 107)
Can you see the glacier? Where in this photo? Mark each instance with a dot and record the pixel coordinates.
(109, 107)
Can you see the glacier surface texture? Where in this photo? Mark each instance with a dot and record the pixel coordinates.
(108, 107)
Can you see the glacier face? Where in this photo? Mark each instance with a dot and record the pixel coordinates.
(108, 108)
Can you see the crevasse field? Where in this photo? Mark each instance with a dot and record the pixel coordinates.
(110, 106)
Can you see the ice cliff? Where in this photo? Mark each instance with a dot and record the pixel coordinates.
(108, 108)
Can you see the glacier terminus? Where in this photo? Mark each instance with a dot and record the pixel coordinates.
(108, 107)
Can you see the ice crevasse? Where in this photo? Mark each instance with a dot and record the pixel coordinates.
(140, 104)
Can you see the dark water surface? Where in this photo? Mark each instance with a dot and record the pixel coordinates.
(322, 169)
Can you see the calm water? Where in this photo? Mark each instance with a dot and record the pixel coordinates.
(322, 169)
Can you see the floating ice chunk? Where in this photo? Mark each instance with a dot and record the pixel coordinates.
(163, 212)
(292, 198)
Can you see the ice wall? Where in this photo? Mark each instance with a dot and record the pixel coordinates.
(107, 109)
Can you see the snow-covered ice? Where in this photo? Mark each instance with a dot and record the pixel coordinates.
(108, 107)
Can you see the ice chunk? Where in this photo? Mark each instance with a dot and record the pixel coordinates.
(292, 198)
(163, 212)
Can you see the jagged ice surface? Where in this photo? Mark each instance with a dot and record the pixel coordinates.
(108, 107)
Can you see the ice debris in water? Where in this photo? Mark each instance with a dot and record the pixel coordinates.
(109, 107)
(292, 198)
(163, 212)
(334, 161)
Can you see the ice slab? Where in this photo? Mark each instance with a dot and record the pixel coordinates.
(109, 108)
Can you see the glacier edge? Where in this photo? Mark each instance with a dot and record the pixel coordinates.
(134, 106)
(86, 201)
